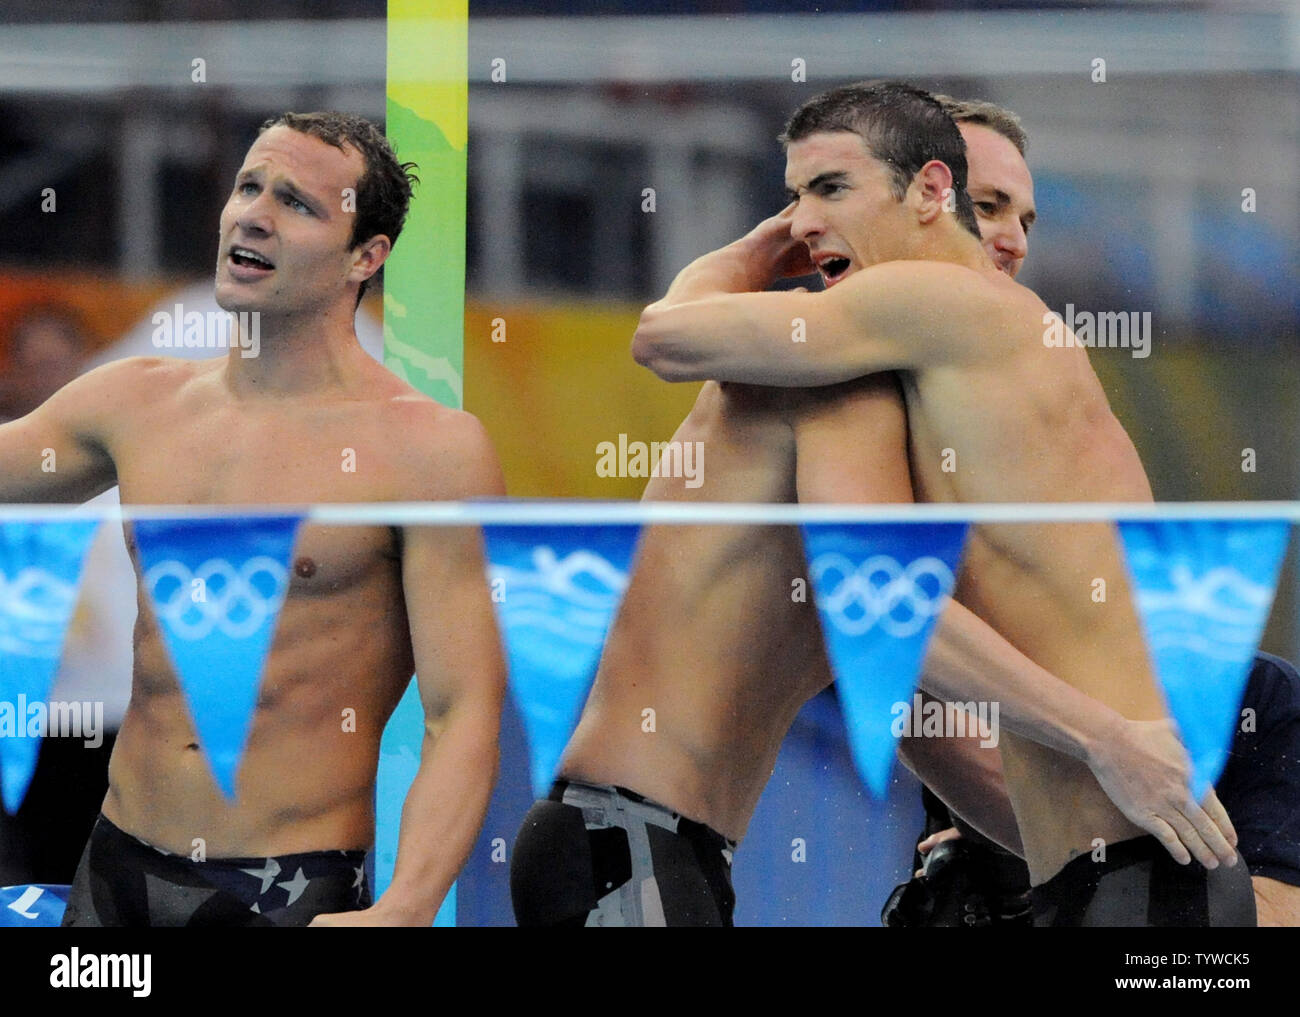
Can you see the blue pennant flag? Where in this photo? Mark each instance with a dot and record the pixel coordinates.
(556, 589)
(36, 905)
(399, 759)
(1203, 590)
(40, 570)
(879, 588)
(217, 586)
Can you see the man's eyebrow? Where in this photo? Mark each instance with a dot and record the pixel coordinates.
(829, 177)
(283, 187)
(1001, 198)
(292, 189)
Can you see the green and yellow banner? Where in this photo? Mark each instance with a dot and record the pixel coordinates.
(424, 300)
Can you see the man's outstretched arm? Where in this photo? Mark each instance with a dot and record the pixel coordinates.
(58, 452)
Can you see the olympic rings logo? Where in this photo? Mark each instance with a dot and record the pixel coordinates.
(238, 603)
(877, 589)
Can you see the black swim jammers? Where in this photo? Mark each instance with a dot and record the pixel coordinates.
(604, 856)
(1139, 884)
(124, 882)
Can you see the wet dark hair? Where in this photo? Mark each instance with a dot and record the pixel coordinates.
(903, 126)
(384, 190)
(987, 114)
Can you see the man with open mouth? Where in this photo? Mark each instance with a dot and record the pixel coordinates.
(641, 826)
(878, 171)
(316, 207)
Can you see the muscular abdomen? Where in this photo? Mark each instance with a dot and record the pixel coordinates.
(338, 663)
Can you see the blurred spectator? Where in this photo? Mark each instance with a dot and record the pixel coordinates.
(47, 345)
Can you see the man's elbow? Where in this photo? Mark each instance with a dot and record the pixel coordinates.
(652, 347)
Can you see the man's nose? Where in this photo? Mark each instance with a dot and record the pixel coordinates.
(255, 216)
(807, 221)
(1011, 239)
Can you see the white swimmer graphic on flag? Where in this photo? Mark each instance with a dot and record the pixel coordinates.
(40, 571)
(34, 905)
(879, 589)
(556, 589)
(216, 586)
(1203, 590)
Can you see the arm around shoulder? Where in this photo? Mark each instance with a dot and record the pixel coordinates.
(901, 315)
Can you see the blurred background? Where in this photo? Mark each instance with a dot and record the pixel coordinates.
(1168, 187)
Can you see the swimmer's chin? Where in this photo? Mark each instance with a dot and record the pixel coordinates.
(235, 306)
(234, 302)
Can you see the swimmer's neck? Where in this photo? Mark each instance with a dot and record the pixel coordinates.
(950, 242)
(298, 354)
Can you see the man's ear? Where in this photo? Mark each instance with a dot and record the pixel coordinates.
(932, 190)
(369, 257)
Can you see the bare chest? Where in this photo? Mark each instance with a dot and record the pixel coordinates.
(221, 457)
(324, 561)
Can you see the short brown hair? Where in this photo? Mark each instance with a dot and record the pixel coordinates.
(384, 190)
(987, 114)
(901, 125)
